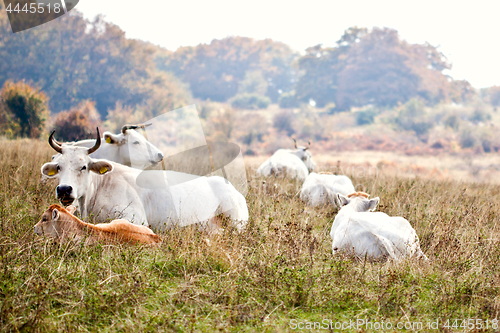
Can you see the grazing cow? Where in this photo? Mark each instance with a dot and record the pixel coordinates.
(290, 163)
(128, 148)
(61, 224)
(360, 231)
(161, 199)
(321, 189)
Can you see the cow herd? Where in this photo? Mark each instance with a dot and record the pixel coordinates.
(99, 178)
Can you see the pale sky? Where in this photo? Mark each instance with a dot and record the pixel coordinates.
(467, 32)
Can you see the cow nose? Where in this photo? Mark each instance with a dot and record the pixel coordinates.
(160, 156)
(64, 191)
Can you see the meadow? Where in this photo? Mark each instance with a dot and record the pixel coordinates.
(277, 273)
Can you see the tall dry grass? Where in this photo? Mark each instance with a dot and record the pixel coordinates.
(280, 268)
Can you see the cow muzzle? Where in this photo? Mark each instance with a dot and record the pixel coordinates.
(64, 194)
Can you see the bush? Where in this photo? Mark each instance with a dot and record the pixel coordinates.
(288, 101)
(479, 115)
(468, 139)
(410, 116)
(78, 123)
(251, 127)
(365, 117)
(283, 121)
(250, 101)
(23, 110)
(494, 94)
(452, 121)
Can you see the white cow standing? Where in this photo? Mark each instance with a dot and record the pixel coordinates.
(128, 148)
(109, 190)
(290, 163)
(360, 231)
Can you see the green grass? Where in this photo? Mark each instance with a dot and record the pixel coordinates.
(280, 268)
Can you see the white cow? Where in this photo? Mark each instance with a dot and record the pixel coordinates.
(160, 199)
(128, 148)
(360, 231)
(290, 163)
(321, 189)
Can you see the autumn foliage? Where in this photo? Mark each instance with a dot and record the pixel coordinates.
(79, 123)
(23, 110)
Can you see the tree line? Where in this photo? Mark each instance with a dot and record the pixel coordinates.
(73, 60)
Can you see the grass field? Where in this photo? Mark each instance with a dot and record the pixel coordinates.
(276, 274)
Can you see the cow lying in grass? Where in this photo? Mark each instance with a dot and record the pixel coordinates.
(321, 189)
(61, 224)
(359, 231)
(296, 163)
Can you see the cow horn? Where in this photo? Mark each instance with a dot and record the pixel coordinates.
(97, 143)
(126, 127)
(295, 142)
(54, 144)
(309, 145)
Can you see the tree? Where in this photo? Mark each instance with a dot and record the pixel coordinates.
(217, 70)
(373, 67)
(79, 123)
(321, 68)
(23, 110)
(73, 59)
(494, 94)
(376, 72)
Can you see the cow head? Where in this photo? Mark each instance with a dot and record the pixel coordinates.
(304, 155)
(53, 220)
(134, 148)
(73, 168)
(358, 201)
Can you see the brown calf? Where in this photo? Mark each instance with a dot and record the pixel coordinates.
(61, 224)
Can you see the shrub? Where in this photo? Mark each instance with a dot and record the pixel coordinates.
(365, 117)
(78, 123)
(250, 101)
(288, 101)
(331, 108)
(23, 110)
(494, 94)
(480, 115)
(452, 121)
(220, 125)
(468, 139)
(283, 121)
(252, 127)
(410, 116)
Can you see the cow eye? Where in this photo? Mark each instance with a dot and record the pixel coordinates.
(83, 168)
(136, 143)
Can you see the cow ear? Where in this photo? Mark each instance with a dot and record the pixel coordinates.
(71, 209)
(55, 214)
(113, 139)
(101, 167)
(373, 203)
(50, 170)
(342, 200)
